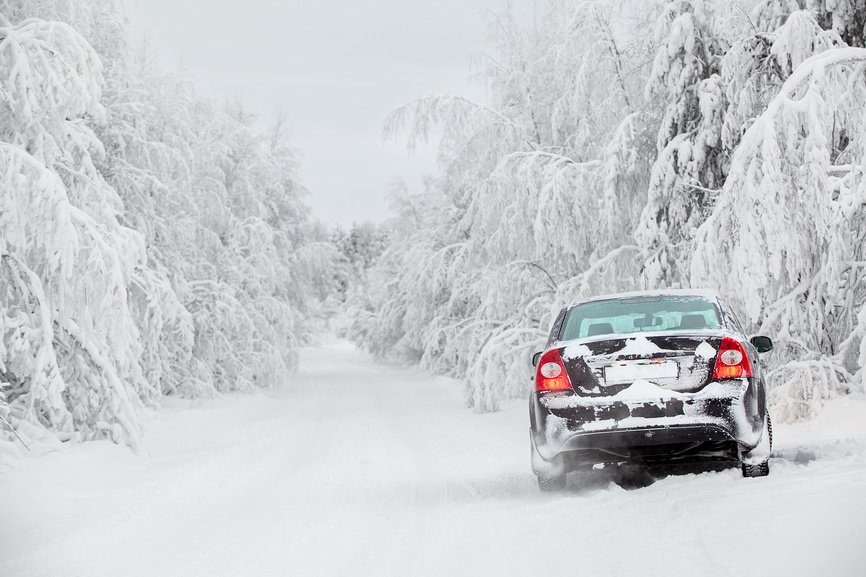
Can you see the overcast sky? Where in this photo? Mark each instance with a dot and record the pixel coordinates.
(335, 67)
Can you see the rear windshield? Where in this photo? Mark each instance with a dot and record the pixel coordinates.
(640, 314)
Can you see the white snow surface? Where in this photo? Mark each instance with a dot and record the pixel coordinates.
(362, 469)
(576, 350)
(639, 346)
(643, 389)
(705, 350)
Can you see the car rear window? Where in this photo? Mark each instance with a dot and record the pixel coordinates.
(640, 314)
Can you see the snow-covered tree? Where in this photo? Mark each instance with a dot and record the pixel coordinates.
(586, 171)
(151, 242)
(528, 178)
(845, 18)
(73, 347)
(359, 249)
(785, 238)
(685, 81)
(757, 64)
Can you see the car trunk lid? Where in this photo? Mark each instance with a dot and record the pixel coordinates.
(679, 362)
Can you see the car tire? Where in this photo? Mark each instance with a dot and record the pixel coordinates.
(551, 484)
(761, 469)
(551, 474)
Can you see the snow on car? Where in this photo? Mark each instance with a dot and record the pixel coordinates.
(648, 378)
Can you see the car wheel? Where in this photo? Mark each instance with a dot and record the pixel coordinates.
(759, 470)
(551, 484)
(551, 474)
(764, 448)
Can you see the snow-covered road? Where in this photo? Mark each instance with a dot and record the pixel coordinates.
(362, 469)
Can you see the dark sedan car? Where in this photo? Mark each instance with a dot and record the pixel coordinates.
(648, 378)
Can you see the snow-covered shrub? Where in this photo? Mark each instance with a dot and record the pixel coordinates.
(805, 385)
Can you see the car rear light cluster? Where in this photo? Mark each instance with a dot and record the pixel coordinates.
(551, 375)
(732, 362)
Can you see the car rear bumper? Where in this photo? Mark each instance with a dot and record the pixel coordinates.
(586, 430)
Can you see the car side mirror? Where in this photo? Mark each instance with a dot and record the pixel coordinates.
(762, 344)
(535, 358)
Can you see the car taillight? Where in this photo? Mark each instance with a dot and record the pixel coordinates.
(732, 362)
(551, 375)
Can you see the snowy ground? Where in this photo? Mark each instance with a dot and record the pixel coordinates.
(361, 469)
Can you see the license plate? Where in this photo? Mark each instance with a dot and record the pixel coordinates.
(630, 372)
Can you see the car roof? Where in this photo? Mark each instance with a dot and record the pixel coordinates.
(703, 293)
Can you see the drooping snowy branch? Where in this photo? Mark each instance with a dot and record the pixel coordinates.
(528, 200)
(790, 222)
(150, 242)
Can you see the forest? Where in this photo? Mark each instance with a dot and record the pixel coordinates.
(153, 243)
(631, 145)
(156, 243)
